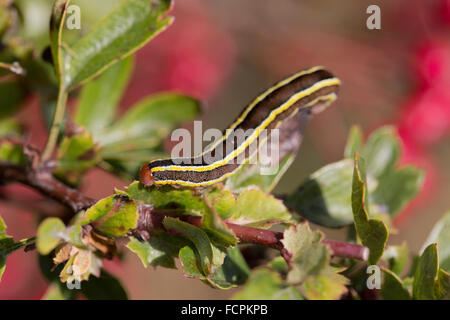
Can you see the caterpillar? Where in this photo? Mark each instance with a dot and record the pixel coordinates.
(306, 91)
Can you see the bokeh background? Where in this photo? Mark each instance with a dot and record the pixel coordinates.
(225, 52)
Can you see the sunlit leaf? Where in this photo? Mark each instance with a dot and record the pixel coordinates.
(308, 255)
(258, 209)
(324, 198)
(373, 233)
(266, 285)
(49, 235)
(328, 285)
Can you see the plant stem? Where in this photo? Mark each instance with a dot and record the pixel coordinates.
(56, 125)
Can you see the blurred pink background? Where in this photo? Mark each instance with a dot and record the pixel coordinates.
(225, 52)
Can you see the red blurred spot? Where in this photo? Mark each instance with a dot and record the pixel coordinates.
(193, 56)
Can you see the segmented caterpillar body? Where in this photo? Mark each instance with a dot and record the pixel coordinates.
(305, 92)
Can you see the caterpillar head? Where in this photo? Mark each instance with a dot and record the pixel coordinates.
(146, 176)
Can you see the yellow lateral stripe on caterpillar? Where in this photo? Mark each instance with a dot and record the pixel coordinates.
(254, 136)
(311, 90)
(259, 99)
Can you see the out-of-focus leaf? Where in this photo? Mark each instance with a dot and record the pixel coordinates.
(76, 154)
(266, 285)
(198, 238)
(354, 142)
(397, 257)
(373, 233)
(58, 17)
(258, 209)
(105, 287)
(279, 264)
(430, 282)
(393, 288)
(10, 129)
(113, 216)
(12, 153)
(159, 250)
(49, 234)
(308, 255)
(8, 246)
(149, 121)
(250, 175)
(441, 236)
(382, 151)
(324, 198)
(390, 188)
(396, 189)
(81, 264)
(328, 285)
(127, 28)
(100, 97)
(14, 67)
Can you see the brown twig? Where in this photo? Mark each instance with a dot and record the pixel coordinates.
(40, 178)
(43, 181)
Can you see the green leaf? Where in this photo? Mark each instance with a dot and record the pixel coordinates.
(12, 153)
(430, 282)
(10, 128)
(177, 200)
(230, 268)
(382, 150)
(198, 238)
(258, 209)
(76, 155)
(396, 189)
(250, 175)
(159, 250)
(113, 216)
(105, 287)
(393, 287)
(324, 198)
(148, 122)
(266, 285)
(57, 291)
(233, 272)
(57, 20)
(441, 236)
(397, 257)
(223, 201)
(308, 255)
(328, 285)
(354, 142)
(49, 235)
(100, 97)
(373, 233)
(183, 201)
(12, 96)
(217, 230)
(127, 28)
